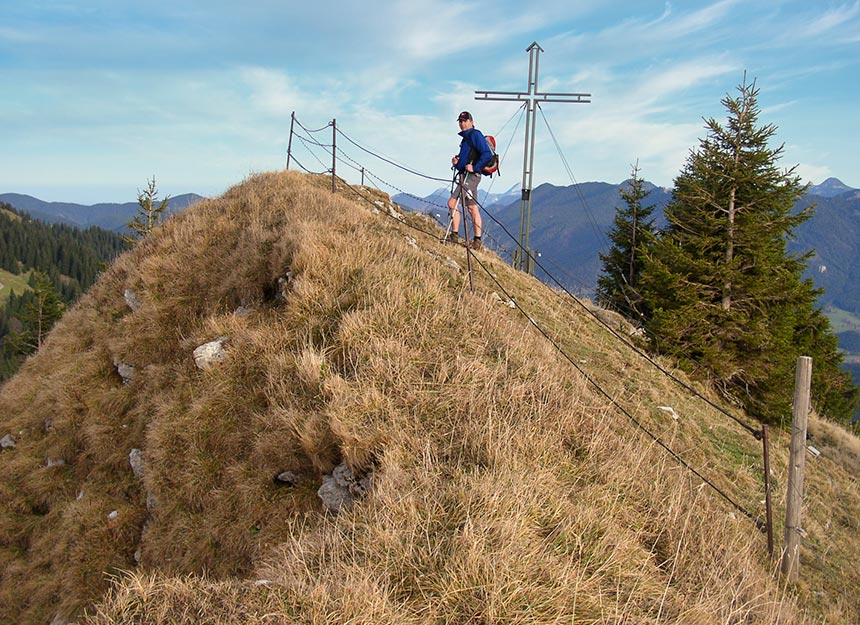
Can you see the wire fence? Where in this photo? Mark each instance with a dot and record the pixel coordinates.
(503, 246)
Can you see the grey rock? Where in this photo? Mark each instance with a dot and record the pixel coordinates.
(54, 462)
(284, 286)
(340, 489)
(288, 477)
(131, 299)
(135, 459)
(209, 354)
(7, 442)
(361, 487)
(333, 495)
(151, 504)
(126, 372)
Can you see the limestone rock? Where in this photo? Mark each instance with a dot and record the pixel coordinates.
(131, 299)
(7, 442)
(388, 208)
(135, 459)
(284, 287)
(340, 489)
(287, 477)
(54, 462)
(333, 495)
(509, 303)
(669, 410)
(126, 372)
(209, 354)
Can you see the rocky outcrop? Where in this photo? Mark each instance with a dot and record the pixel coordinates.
(340, 489)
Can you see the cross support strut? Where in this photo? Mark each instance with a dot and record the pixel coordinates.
(523, 257)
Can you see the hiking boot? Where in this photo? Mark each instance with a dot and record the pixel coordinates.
(476, 243)
(453, 237)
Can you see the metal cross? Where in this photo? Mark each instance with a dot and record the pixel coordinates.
(523, 256)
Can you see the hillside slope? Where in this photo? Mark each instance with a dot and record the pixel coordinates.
(505, 488)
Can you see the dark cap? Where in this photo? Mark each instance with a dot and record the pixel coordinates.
(464, 116)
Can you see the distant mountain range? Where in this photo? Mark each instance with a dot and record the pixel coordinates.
(569, 227)
(108, 216)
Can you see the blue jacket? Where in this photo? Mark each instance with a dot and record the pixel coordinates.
(473, 138)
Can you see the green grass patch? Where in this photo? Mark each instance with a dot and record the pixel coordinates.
(842, 320)
(9, 283)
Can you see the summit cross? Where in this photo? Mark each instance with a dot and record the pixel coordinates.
(523, 258)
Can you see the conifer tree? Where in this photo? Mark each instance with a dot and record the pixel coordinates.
(43, 308)
(632, 232)
(721, 290)
(149, 212)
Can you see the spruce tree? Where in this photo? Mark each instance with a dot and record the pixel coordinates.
(722, 293)
(149, 212)
(43, 308)
(632, 232)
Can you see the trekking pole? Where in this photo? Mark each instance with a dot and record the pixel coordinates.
(463, 177)
(450, 212)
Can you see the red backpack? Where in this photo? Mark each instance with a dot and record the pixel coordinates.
(492, 165)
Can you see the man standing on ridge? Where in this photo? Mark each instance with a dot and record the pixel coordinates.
(474, 154)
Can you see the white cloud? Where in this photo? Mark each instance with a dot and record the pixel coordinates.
(272, 92)
(815, 174)
(831, 20)
(658, 88)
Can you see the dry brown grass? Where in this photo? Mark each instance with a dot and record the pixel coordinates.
(506, 489)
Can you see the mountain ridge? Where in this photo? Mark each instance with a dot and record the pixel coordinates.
(107, 215)
(506, 487)
(569, 225)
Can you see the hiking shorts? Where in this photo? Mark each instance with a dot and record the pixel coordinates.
(470, 188)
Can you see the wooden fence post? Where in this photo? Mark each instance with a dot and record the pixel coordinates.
(797, 461)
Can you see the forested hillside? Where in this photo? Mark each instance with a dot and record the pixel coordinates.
(70, 258)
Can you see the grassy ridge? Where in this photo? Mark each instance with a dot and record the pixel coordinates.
(507, 488)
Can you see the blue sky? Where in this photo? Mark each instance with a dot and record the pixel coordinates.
(100, 95)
